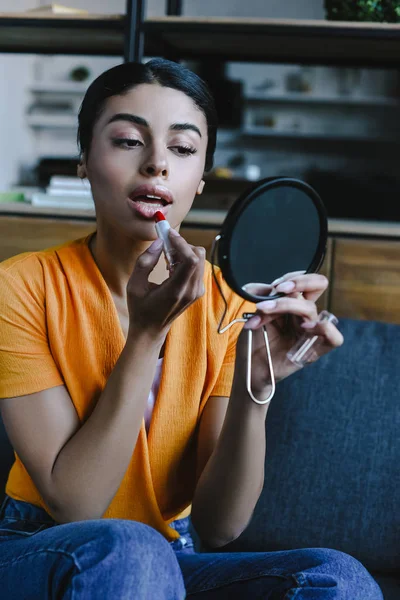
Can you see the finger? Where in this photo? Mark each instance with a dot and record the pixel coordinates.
(292, 306)
(330, 335)
(138, 282)
(258, 289)
(286, 277)
(199, 273)
(186, 259)
(311, 285)
(181, 292)
(195, 282)
(254, 322)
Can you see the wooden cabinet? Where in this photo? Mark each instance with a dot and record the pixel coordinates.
(200, 237)
(366, 279)
(364, 274)
(27, 234)
(323, 301)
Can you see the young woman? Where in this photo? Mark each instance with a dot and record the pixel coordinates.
(126, 409)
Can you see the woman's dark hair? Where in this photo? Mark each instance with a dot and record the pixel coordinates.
(122, 78)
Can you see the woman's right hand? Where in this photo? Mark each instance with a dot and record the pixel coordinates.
(153, 308)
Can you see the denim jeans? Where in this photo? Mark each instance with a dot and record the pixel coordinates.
(117, 559)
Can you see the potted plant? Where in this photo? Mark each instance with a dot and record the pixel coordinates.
(363, 10)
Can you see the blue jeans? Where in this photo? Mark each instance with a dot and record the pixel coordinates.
(117, 559)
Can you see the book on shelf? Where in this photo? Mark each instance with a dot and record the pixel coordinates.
(68, 182)
(72, 194)
(68, 186)
(62, 201)
(52, 191)
(56, 9)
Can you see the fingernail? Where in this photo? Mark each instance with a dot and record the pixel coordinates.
(156, 245)
(174, 233)
(267, 305)
(287, 286)
(309, 324)
(253, 322)
(277, 281)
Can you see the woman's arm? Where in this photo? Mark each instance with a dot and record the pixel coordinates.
(232, 447)
(232, 463)
(78, 469)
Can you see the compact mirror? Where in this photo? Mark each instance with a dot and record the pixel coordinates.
(277, 227)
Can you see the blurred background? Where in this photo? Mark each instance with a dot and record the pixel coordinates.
(335, 127)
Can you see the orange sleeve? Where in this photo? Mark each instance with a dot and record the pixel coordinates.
(26, 363)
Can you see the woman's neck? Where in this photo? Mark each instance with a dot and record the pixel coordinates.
(116, 258)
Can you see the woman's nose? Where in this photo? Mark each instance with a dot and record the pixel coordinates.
(155, 166)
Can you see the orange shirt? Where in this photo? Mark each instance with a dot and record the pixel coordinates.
(59, 326)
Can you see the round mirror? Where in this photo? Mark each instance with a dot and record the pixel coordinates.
(277, 228)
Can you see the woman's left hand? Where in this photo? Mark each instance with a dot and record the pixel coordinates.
(286, 319)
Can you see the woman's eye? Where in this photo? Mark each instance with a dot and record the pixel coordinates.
(184, 150)
(126, 143)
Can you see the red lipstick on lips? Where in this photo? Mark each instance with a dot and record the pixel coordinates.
(146, 200)
(159, 216)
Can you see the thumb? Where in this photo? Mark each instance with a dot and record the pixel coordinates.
(144, 266)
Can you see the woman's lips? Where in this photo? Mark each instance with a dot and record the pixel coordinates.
(157, 191)
(147, 209)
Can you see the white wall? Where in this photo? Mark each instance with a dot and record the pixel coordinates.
(19, 144)
(274, 9)
(291, 9)
(16, 143)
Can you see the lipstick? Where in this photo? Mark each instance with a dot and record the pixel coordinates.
(162, 228)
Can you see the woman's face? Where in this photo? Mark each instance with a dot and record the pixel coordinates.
(147, 154)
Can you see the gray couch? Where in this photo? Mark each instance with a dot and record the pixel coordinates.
(333, 457)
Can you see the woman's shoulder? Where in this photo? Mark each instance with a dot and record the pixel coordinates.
(28, 268)
(27, 262)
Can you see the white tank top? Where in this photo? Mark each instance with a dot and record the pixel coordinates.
(153, 394)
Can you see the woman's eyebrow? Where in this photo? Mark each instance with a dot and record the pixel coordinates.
(185, 127)
(130, 118)
(140, 121)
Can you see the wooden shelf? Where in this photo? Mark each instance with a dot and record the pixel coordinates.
(52, 121)
(59, 87)
(314, 99)
(267, 132)
(67, 34)
(203, 218)
(258, 40)
(276, 40)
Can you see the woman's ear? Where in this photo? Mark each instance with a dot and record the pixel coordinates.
(81, 169)
(201, 187)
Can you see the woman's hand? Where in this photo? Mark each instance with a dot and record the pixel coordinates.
(153, 308)
(286, 319)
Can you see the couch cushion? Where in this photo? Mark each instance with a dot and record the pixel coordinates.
(390, 586)
(333, 454)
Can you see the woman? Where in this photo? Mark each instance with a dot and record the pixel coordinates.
(91, 332)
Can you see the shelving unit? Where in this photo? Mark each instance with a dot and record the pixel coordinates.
(276, 40)
(62, 87)
(221, 39)
(52, 121)
(269, 132)
(300, 98)
(259, 40)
